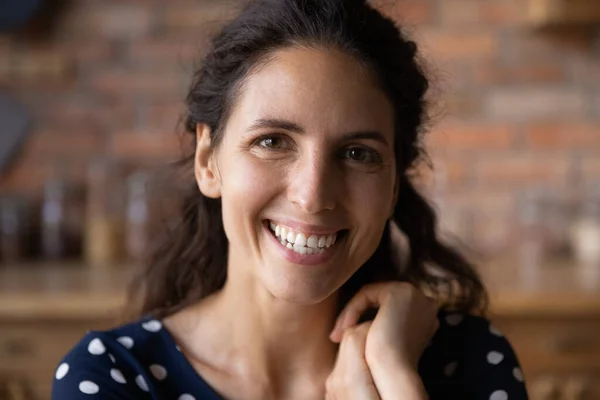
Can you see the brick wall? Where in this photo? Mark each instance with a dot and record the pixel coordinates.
(516, 108)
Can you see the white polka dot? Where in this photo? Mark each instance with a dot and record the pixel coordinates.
(178, 348)
(62, 370)
(158, 371)
(495, 357)
(141, 382)
(117, 376)
(454, 319)
(88, 387)
(152, 325)
(499, 395)
(186, 397)
(495, 331)
(450, 368)
(112, 358)
(96, 347)
(126, 341)
(518, 374)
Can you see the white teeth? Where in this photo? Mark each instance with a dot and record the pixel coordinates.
(313, 242)
(330, 240)
(291, 237)
(300, 240)
(322, 241)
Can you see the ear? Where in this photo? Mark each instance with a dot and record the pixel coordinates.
(204, 166)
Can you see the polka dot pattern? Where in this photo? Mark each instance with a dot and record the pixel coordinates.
(144, 358)
(96, 347)
(62, 371)
(126, 341)
(152, 326)
(158, 371)
(117, 376)
(450, 368)
(494, 357)
(141, 382)
(499, 395)
(518, 374)
(88, 387)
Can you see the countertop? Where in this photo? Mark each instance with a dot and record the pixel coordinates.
(74, 291)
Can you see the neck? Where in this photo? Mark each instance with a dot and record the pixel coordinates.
(273, 341)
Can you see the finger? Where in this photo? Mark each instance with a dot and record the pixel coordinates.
(372, 295)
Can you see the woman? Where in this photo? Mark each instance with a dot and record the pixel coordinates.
(306, 118)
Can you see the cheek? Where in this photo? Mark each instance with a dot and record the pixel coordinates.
(247, 187)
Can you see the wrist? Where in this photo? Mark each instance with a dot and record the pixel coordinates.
(395, 379)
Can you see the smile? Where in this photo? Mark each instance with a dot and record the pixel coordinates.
(301, 242)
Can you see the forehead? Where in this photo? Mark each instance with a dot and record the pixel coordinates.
(318, 89)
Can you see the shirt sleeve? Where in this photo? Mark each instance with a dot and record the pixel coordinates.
(491, 367)
(99, 367)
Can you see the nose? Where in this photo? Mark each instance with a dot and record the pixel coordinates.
(312, 184)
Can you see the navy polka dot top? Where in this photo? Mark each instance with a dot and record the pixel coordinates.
(467, 359)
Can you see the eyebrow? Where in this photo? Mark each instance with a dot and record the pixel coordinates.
(275, 123)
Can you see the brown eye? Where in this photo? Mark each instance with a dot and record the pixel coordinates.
(271, 142)
(362, 155)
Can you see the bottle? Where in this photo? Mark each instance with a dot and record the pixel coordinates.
(585, 231)
(103, 244)
(53, 224)
(136, 230)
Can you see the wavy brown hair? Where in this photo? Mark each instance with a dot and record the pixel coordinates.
(189, 260)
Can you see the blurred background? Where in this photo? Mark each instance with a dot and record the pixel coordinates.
(91, 94)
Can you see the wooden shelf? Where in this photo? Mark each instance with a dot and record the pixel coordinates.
(564, 12)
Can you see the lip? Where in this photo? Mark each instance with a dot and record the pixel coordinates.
(305, 228)
(297, 258)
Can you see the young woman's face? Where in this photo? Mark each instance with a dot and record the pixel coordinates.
(307, 173)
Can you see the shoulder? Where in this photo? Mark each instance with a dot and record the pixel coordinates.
(113, 364)
(468, 353)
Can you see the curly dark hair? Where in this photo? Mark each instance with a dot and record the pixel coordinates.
(189, 261)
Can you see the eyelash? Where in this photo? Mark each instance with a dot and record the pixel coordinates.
(375, 156)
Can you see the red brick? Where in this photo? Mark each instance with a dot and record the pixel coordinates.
(563, 135)
(89, 52)
(534, 103)
(537, 73)
(471, 136)
(460, 104)
(502, 12)
(590, 168)
(120, 82)
(56, 144)
(452, 44)
(108, 19)
(25, 176)
(460, 12)
(450, 169)
(165, 116)
(197, 16)
(173, 51)
(522, 169)
(145, 145)
(409, 12)
(521, 46)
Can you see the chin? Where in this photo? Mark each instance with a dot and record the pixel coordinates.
(297, 292)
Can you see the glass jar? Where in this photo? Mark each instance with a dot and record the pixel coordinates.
(103, 244)
(136, 232)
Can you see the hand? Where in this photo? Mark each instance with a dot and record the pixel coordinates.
(404, 324)
(351, 377)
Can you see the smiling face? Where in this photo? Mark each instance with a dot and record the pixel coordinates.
(305, 171)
